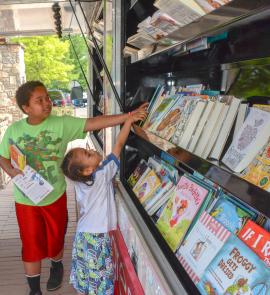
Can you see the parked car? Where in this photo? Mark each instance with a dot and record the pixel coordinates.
(57, 97)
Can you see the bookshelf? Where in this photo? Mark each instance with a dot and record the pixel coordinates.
(223, 66)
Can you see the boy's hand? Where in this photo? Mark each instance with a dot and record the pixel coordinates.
(14, 171)
(137, 116)
(141, 108)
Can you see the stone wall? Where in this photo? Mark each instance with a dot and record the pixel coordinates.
(12, 75)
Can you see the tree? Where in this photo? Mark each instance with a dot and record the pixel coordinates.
(46, 60)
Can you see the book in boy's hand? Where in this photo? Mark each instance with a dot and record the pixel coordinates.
(201, 246)
(235, 270)
(231, 213)
(257, 239)
(17, 158)
(180, 210)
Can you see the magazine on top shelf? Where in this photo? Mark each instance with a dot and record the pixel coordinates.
(231, 213)
(210, 5)
(235, 270)
(252, 136)
(201, 246)
(180, 210)
(258, 171)
(257, 239)
(183, 11)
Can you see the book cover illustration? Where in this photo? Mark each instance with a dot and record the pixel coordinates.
(180, 210)
(201, 246)
(148, 186)
(250, 139)
(258, 171)
(231, 213)
(257, 239)
(137, 173)
(235, 270)
(17, 158)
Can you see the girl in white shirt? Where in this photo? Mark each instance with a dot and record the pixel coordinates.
(92, 268)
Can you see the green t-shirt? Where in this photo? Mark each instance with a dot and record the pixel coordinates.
(44, 146)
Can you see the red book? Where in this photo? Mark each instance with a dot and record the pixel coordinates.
(257, 239)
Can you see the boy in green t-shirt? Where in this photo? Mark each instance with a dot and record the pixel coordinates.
(43, 139)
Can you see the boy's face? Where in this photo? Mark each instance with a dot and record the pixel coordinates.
(39, 106)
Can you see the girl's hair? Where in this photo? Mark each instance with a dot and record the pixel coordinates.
(25, 91)
(72, 169)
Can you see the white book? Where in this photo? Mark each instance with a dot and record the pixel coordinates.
(32, 184)
(250, 139)
(225, 130)
(241, 115)
(153, 206)
(202, 122)
(208, 129)
(192, 124)
(216, 131)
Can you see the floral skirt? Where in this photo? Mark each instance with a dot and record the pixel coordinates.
(92, 267)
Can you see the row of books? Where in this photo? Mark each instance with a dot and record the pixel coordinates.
(218, 240)
(202, 121)
(170, 16)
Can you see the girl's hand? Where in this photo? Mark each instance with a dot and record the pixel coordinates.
(141, 108)
(138, 116)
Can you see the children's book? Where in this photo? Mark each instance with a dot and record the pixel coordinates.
(226, 128)
(235, 270)
(258, 171)
(149, 185)
(209, 5)
(137, 173)
(17, 158)
(250, 139)
(241, 116)
(32, 184)
(257, 239)
(180, 210)
(201, 246)
(231, 213)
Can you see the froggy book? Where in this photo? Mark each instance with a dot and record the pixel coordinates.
(235, 270)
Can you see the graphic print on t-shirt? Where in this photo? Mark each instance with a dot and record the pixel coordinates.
(41, 153)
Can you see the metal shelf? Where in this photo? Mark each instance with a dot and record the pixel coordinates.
(252, 195)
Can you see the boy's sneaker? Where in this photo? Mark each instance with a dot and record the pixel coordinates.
(56, 277)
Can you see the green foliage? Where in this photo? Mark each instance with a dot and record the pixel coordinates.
(52, 61)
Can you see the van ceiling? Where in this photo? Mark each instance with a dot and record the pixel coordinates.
(35, 17)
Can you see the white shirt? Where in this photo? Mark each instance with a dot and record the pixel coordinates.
(96, 202)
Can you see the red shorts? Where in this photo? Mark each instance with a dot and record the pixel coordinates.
(42, 229)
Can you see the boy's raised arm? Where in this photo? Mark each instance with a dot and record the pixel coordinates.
(101, 122)
(124, 132)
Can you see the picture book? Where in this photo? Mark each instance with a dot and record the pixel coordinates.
(231, 213)
(210, 5)
(241, 116)
(137, 173)
(257, 239)
(235, 270)
(17, 158)
(180, 210)
(258, 171)
(250, 139)
(201, 246)
(148, 186)
(32, 184)
(141, 178)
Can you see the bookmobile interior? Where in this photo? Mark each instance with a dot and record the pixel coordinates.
(236, 63)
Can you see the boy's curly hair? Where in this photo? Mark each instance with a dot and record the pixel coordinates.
(72, 169)
(25, 91)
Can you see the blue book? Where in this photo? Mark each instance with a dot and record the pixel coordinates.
(231, 213)
(235, 270)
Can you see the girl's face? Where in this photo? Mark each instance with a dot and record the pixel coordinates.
(90, 160)
(39, 106)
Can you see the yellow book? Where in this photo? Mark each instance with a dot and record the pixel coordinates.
(18, 159)
(148, 186)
